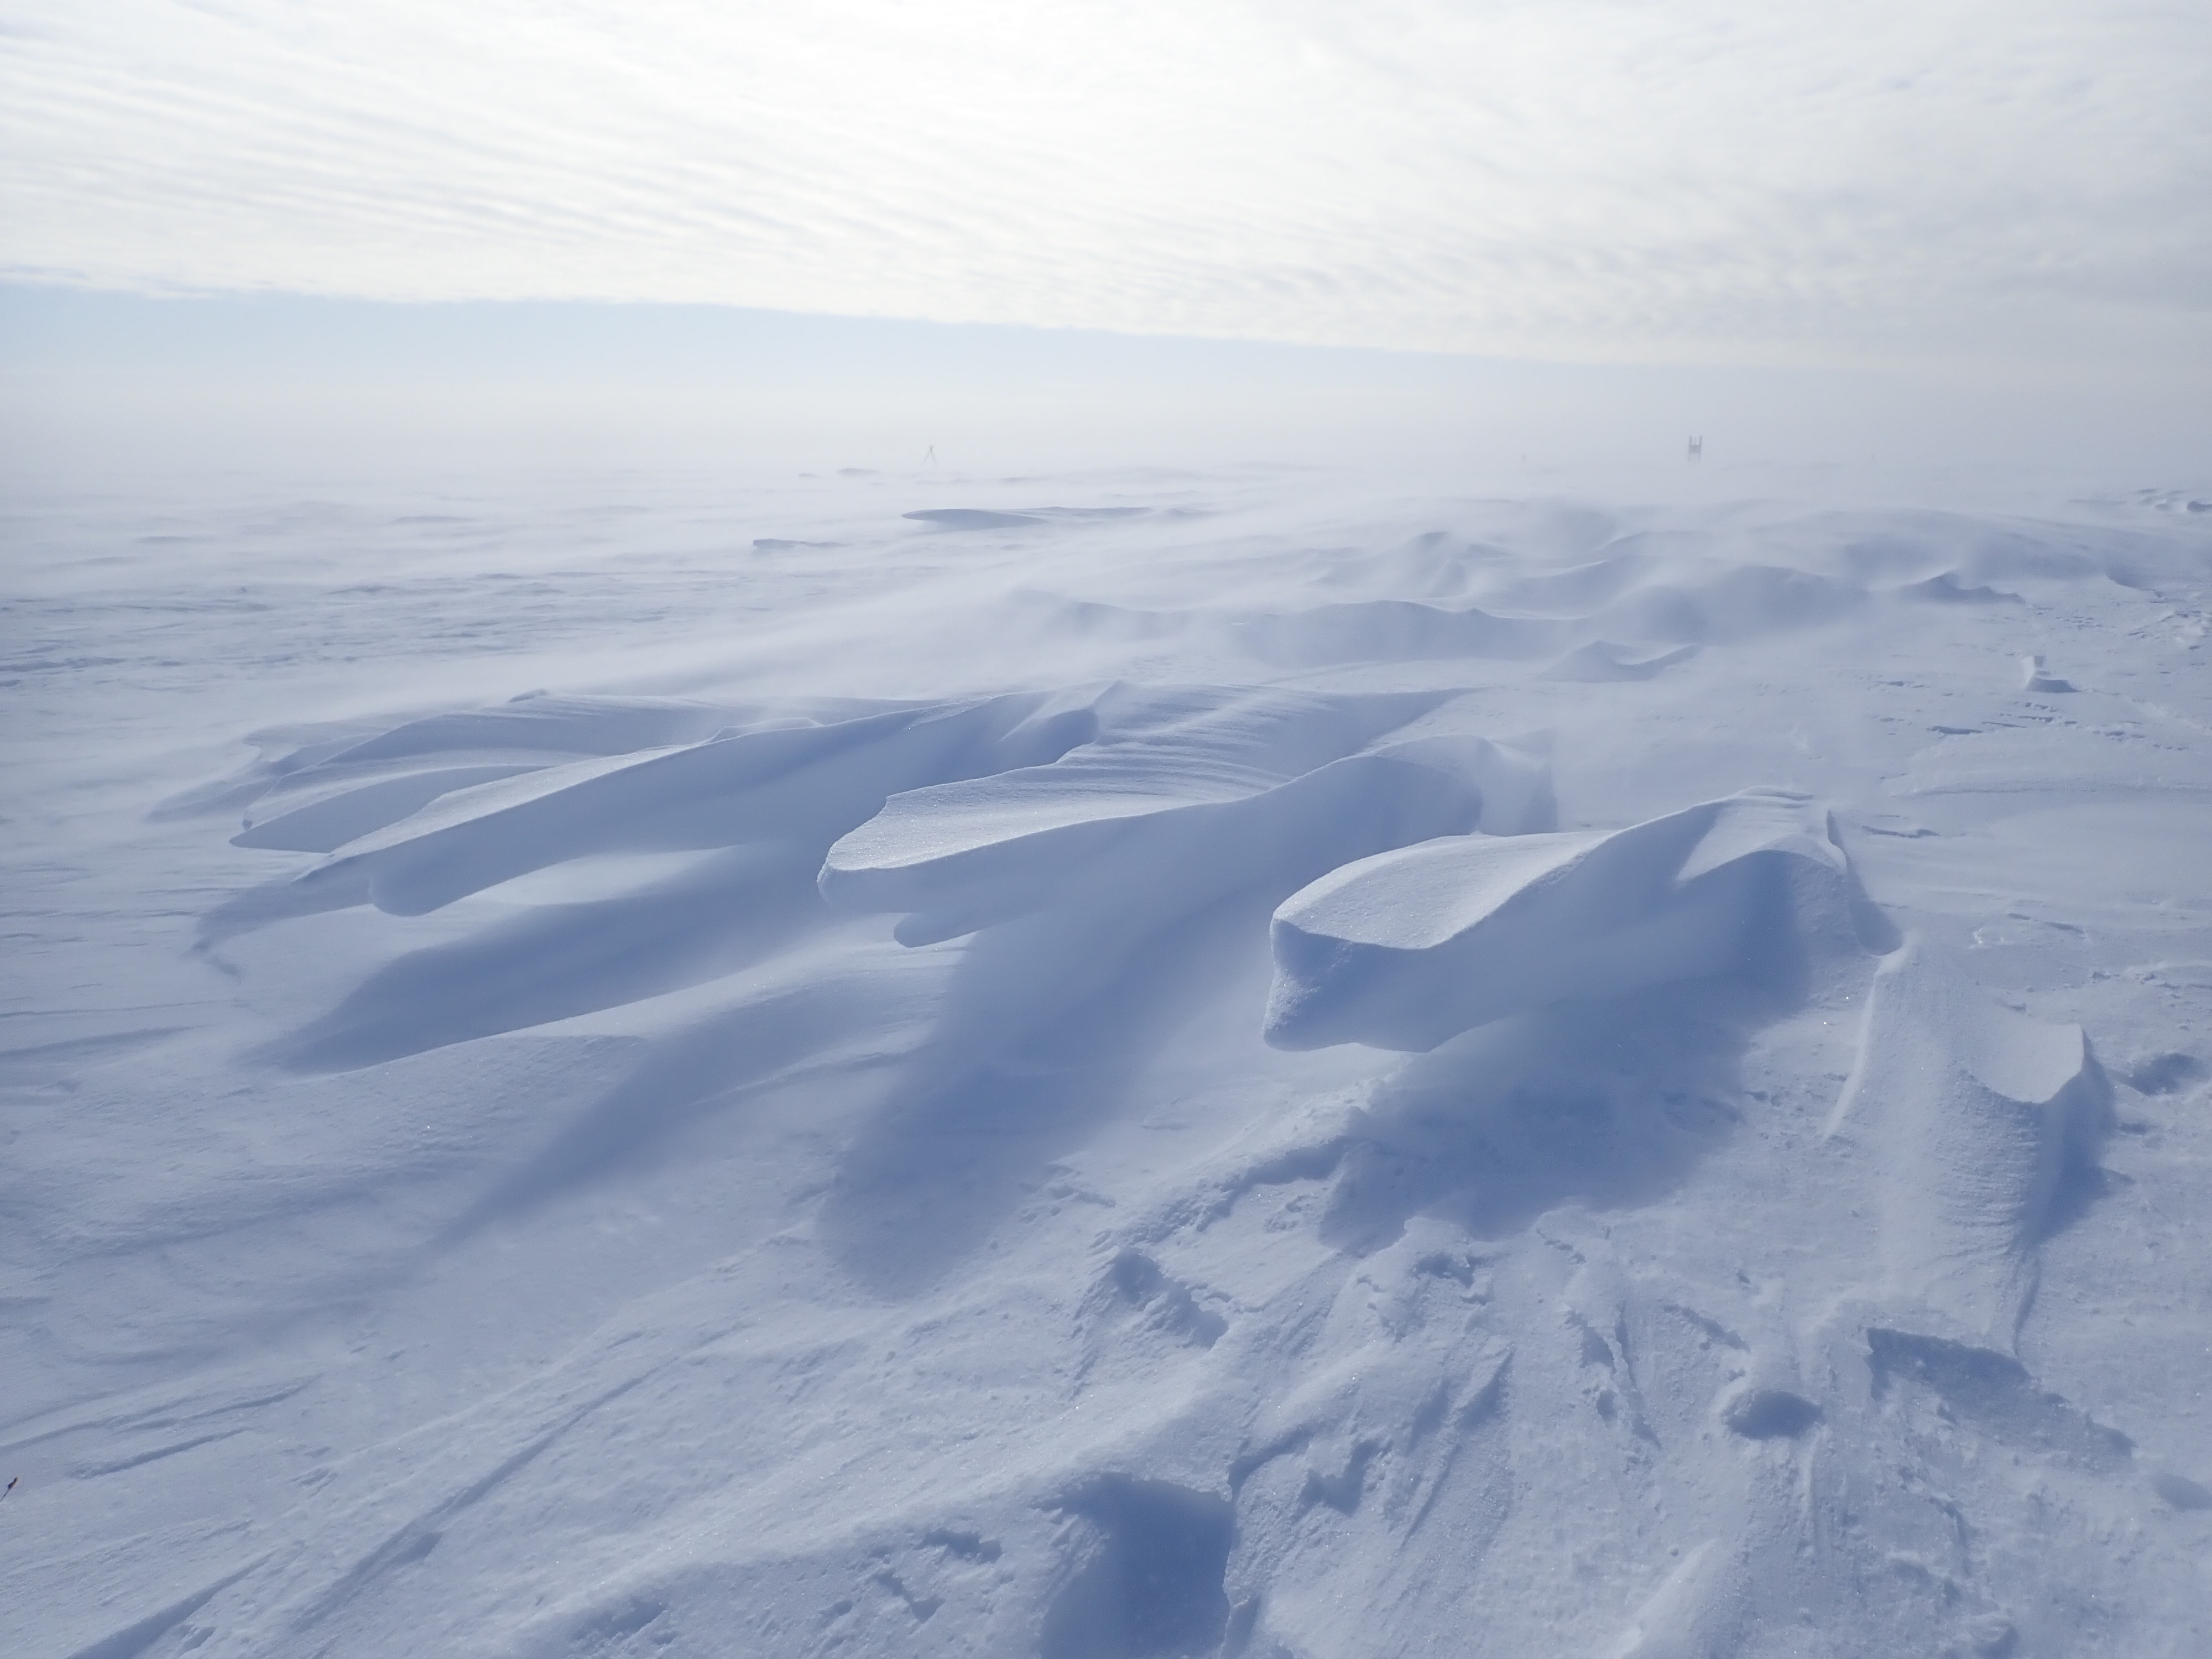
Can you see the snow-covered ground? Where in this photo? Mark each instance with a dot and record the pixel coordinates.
(1111, 1065)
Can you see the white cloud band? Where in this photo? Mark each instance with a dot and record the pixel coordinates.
(1578, 177)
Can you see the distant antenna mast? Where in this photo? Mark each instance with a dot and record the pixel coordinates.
(1697, 448)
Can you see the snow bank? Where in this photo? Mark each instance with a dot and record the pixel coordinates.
(801, 784)
(1408, 948)
(1180, 798)
(1977, 1116)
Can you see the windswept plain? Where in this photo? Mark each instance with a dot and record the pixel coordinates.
(1107, 1065)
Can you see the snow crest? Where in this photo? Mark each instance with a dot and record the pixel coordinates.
(1408, 948)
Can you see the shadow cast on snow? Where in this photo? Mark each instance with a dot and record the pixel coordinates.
(569, 959)
(975, 1121)
(686, 1079)
(1610, 1102)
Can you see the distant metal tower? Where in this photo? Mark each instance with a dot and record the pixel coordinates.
(1697, 448)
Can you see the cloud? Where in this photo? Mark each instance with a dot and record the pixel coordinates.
(1610, 179)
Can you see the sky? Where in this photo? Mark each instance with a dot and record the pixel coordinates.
(1972, 196)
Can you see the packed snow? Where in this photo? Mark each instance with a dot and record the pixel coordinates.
(1091, 1066)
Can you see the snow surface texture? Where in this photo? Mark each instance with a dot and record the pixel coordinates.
(889, 1066)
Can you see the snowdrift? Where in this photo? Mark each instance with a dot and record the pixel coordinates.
(1407, 949)
(1236, 1068)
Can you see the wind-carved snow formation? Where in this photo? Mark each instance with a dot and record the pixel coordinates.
(1137, 1082)
(1408, 948)
(1980, 1115)
(1178, 799)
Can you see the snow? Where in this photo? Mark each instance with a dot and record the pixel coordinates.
(1409, 948)
(1252, 1061)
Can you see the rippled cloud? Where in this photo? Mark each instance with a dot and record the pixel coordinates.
(1578, 177)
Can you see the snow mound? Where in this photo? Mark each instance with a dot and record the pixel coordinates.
(1408, 948)
(1601, 661)
(803, 784)
(1393, 630)
(1978, 1117)
(1183, 798)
